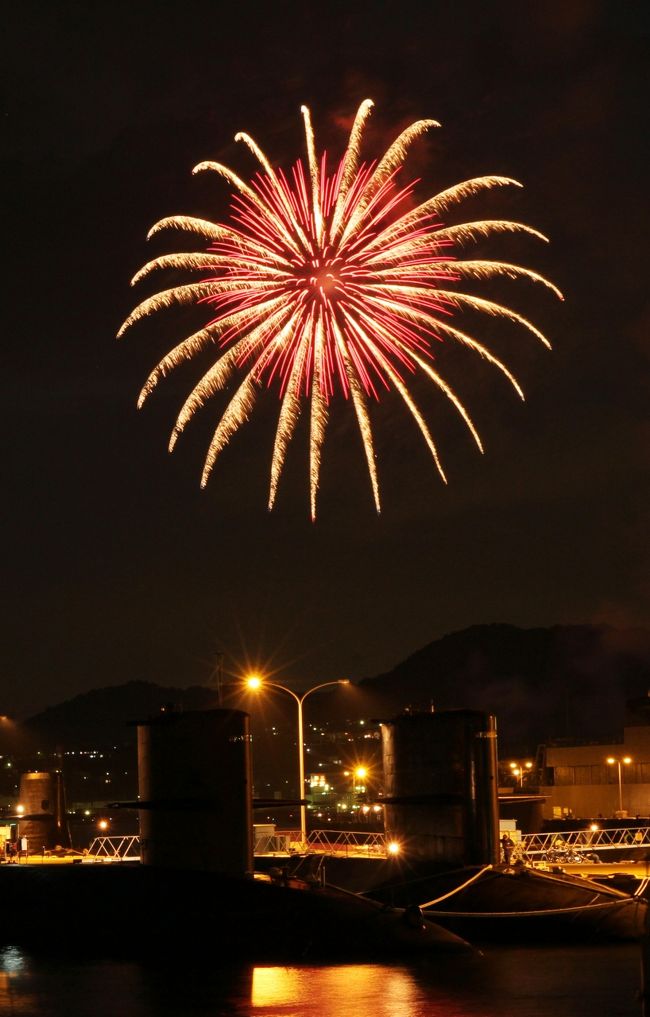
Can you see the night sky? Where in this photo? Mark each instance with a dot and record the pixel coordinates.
(116, 566)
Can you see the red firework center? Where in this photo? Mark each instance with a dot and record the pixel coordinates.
(331, 278)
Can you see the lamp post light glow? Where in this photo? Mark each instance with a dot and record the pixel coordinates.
(359, 788)
(626, 760)
(519, 770)
(20, 810)
(254, 683)
(358, 774)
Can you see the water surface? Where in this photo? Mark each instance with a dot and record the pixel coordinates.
(523, 982)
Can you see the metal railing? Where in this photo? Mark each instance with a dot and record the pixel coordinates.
(539, 845)
(347, 843)
(273, 843)
(353, 844)
(534, 846)
(118, 849)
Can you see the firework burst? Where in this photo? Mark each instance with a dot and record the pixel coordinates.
(324, 282)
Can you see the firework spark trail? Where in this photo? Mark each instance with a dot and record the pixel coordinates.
(324, 281)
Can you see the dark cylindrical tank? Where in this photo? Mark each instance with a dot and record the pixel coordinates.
(440, 773)
(42, 800)
(194, 780)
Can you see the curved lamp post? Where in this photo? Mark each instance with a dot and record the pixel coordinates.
(626, 760)
(255, 683)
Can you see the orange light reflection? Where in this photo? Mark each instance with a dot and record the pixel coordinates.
(342, 991)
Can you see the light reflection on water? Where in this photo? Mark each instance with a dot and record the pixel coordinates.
(338, 992)
(506, 982)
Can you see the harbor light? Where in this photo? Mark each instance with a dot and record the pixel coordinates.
(614, 760)
(102, 824)
(393, 848)
(520, 770)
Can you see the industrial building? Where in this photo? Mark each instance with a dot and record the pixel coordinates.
(602, 779)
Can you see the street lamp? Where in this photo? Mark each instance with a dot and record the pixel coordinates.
(519, 770)
(626, 760)
(255, 683)
(358, 773)
(357, 782)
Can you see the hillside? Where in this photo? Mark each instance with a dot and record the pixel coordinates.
(565, 681)
(105, 716)
(542, 684)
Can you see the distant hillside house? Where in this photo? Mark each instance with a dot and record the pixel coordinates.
(581, 783)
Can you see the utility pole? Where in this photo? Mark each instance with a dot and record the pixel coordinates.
(217, 676)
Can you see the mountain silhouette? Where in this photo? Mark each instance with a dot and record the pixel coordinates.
(107, 716)
(543, 684)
